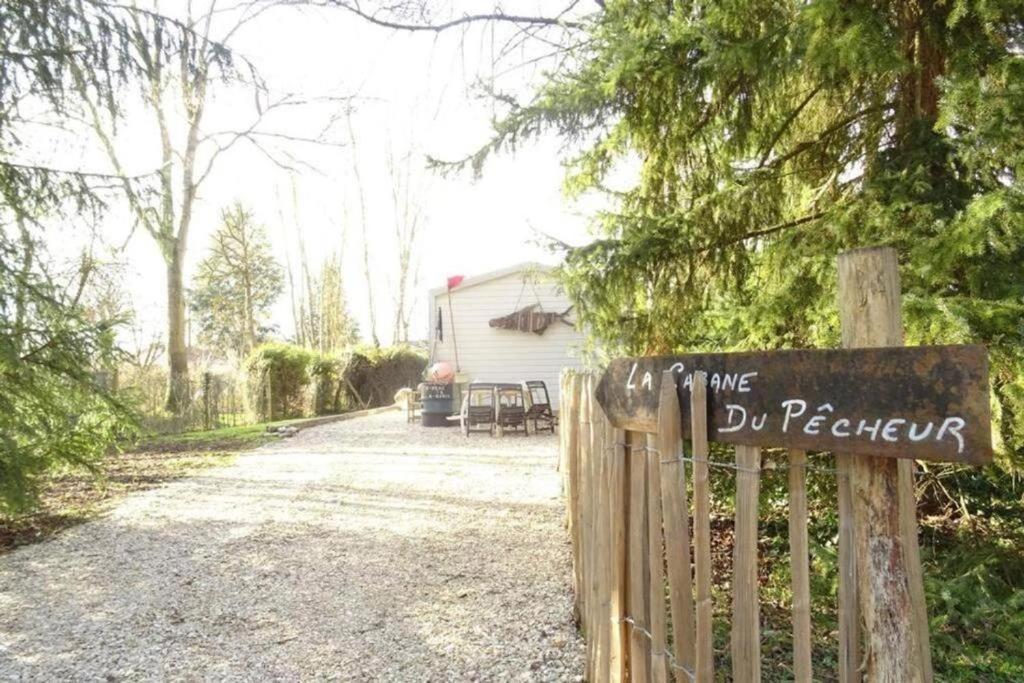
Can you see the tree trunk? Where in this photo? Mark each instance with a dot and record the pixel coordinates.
(178, 394)
(250, 318)
(362, 222)
(249, 343)
(918, 97)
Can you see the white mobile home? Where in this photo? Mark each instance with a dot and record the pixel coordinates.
(509, 325)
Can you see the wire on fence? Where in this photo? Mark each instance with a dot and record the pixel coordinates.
(664, 652)
(770, 467)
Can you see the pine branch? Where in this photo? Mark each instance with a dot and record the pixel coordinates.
(803, 220)
(790, 118)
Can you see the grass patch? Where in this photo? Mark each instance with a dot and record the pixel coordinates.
(226, 438)
(70, 497)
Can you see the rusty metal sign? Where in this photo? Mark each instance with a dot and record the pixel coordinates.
(926, 402)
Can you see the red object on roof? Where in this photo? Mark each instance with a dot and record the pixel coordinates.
(455, 280)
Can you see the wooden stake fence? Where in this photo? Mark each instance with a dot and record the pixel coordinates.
(643, 582)
(629, 521)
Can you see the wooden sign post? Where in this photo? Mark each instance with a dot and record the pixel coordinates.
(877, 405)
(888, 564)
(928, 402)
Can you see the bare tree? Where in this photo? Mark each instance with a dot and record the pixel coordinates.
(297, 319)
(557, 32)
(364, 227)
(337, 330)
(416, 15)
(406, 196)
(307, 284)
(185, 166)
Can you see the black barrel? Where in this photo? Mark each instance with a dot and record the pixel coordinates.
(437, 403)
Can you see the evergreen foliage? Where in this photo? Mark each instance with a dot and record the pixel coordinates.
(373, 374)
(290, 381)
(331, 327)
(52, 411)
(51, 51)
(769, 136)
(743, 144)
(236, 284)
(278, 377)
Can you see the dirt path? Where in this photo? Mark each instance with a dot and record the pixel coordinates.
(358, 550)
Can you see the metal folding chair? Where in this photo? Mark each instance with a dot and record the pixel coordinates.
(511, 407)
(540, 411)
(478, 408)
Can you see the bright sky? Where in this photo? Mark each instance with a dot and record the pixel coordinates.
(414, 97)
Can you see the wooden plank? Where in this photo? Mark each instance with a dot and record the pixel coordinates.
(675, 520)
(565, 383)
(704, 650)
(799, 558)
(564, 411)
(849, 610)
(659, 633)
(571, 417)
(599, 583)
(870, 315)
(588, 511)
(639, 644)
(583, 434)
(618, 482)
(908, 530)
(564, 426)
(921, 402)
(746, 620)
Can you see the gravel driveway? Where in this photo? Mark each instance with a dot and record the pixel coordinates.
(359, 550)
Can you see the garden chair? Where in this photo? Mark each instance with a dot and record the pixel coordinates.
(511, 408)
(540, 411)
(477, 414)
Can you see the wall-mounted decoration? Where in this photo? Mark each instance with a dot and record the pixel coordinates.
(531, 319)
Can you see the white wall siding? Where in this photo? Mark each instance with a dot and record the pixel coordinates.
(495, 355)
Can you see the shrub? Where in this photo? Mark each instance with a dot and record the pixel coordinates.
(290, 381)
(329, 394)
(278, 376)
(373, 375)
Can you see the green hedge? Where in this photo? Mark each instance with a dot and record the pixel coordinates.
(278, 377)
(290, 381)
(329, 395)
(374, 374)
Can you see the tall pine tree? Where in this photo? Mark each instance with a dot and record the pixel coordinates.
(53, 412)
(768, 136)
(236, 284)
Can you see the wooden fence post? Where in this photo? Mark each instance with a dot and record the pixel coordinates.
(800, 566)
(207, 414)
(563, 424)
(619, 490)
(675, 518)
(705, 653)
(888, 583)
(658, 627)
(849, 610)
(601, 535)
(587, 514)
(572, 495)
(746, 614)
(639, 560)
(269, 394)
